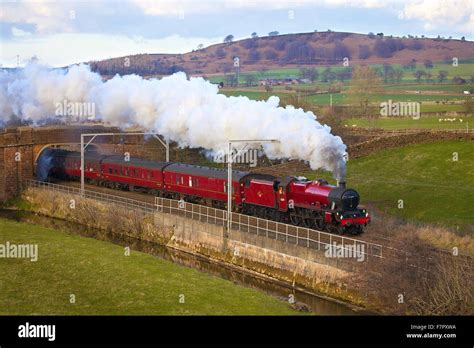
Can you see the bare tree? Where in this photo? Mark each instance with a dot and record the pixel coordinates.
(442, 76)
(250, 80)
(228, 39)
(311, 74)
(419, 74)
(364, 88)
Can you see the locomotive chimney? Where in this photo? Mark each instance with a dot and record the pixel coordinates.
(341, 184)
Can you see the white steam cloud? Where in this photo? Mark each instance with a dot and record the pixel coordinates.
(190, 112)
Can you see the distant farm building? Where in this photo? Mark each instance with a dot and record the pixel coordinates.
(280, 82)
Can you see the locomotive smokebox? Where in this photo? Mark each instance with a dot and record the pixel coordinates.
(341, 184)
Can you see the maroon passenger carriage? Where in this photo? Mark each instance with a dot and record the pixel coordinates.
(313, 204)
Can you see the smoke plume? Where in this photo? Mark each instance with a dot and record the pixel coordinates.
(188, 111)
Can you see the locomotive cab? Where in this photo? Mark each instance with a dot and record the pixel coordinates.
(281, 189)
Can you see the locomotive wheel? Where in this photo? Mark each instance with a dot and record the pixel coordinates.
(269, 214)
(308, 222)
(320, 225)
(355, 230)
(295, 219)
(252, 211)
(279, 217)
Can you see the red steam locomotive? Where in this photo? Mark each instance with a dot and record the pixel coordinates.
(313, 204)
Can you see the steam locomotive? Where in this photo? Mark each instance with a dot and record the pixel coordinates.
(299, 201)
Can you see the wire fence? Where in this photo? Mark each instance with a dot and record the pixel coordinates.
(99, 196)
(295, 235)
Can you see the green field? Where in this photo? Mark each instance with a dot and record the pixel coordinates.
(430, 103)
(106, 282)
(444, 87)
(440, 108)
(435, 97)
(424, 122)
(433, 187)
(465, 69)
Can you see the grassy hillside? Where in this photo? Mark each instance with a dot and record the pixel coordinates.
(105, 282)
(433, 187)
(288, 51)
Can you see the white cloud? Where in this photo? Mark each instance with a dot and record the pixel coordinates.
(436, 14)
(45, 16)
(357, 3)
(55, 16)
(68, 48)
(175, 8)
(19, 33)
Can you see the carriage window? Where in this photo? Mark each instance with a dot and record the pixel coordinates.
(178, 179)
(225, 187)
(110, 170)
(126, 171)
(190, 182)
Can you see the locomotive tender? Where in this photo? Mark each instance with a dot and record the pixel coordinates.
(312, 204)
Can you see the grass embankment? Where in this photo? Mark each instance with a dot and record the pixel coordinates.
(433, 187)
(106, 282)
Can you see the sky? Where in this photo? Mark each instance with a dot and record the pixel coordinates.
(60, 33)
